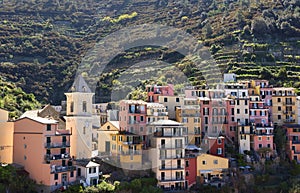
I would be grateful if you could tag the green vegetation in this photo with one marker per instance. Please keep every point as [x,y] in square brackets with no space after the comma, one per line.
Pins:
[11,181]
[43,42]
[15,100]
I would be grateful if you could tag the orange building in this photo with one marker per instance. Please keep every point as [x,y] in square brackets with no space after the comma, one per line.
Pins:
[44,151]
[6,138]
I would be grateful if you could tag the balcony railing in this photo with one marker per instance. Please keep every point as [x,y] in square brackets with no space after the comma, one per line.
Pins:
[136,152]
[190,115]
[56,157]
[58,169]
[296,152]
[132,142]
[289,112]
[288,103]
[171,157]
[133,122]
[171,168]
[57,145]
[296,142]
[169,134]
[169,146]
[171,179]
[289,120]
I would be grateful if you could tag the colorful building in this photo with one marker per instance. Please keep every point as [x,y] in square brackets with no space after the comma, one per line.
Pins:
[263,138]
[190,170]
[154,91]
[6,137]
[167,154]
[104,136]
[284,109]
[209,166]
[171,102]
[126,148]
[189,115]
[44,151]
[293,141]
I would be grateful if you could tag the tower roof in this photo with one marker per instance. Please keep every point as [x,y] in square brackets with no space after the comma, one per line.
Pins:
[80,85]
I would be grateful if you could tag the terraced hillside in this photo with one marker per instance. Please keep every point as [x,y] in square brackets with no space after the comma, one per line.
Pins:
[42,42]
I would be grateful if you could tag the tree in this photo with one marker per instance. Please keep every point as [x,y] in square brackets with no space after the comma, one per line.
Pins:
[259,27]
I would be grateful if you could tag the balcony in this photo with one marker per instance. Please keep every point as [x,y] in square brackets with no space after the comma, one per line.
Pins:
[170,146]
[171,157]
[289,120]
[296,152]
[56,157]
[57,145]
[169,134]
[133,122]
[289,112]
[58,169]
[296,142]
[171,168]
[134,142]
[190,115]
[288,103]
[177,179]
[131,152]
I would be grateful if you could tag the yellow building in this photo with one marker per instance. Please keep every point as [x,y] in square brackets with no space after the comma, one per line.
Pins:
[104,136]
[171,102]
[284,110]
[6,138]
[127,148]
[209,166]
[189,115]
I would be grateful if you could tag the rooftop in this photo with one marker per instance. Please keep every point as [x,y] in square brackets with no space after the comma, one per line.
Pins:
[80,85]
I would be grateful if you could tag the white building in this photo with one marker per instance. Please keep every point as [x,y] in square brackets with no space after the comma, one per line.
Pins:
[88,172]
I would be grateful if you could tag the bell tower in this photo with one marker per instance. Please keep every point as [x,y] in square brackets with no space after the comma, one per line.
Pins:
[79,118]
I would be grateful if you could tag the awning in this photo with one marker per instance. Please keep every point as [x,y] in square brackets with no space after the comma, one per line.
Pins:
[192,147]
[205,171]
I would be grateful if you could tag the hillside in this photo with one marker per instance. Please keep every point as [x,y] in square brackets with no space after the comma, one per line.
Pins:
[42,42]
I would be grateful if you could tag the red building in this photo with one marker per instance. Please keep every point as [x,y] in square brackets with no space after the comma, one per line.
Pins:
[217,146]
[190,170]
[154,91]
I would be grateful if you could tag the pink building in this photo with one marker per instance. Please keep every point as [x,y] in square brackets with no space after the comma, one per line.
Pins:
[154,91]
[263,138]
[293,141]
[44,151]
[133,117]
[231,127]
[259,114]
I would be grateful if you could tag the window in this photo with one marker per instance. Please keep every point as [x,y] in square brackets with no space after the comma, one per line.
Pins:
[114,146]
[237,102]
[279,108]
[25,158]
[259,138]
[72,107]
[219,151]
[219,141]
[187,173]
[203,162]
[55,176]
[90,170]
[84,106]
[246,102]
[260,145]
[25,146]
[268,138]
[279,117]
[141,129]
[206,120]
[269,146]
[94,169]
[113,138]
[232,111]
[165,99]
[142,118]
[72,174]
[279,100]
[83,131]
[177,100]
[120,137]
[246,111]
[48,127]
[187,163]
[232,119]
[215,161]
[238,111]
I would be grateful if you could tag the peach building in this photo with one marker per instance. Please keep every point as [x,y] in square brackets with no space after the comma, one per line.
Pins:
[171,102]
[6,138]
[44,151]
